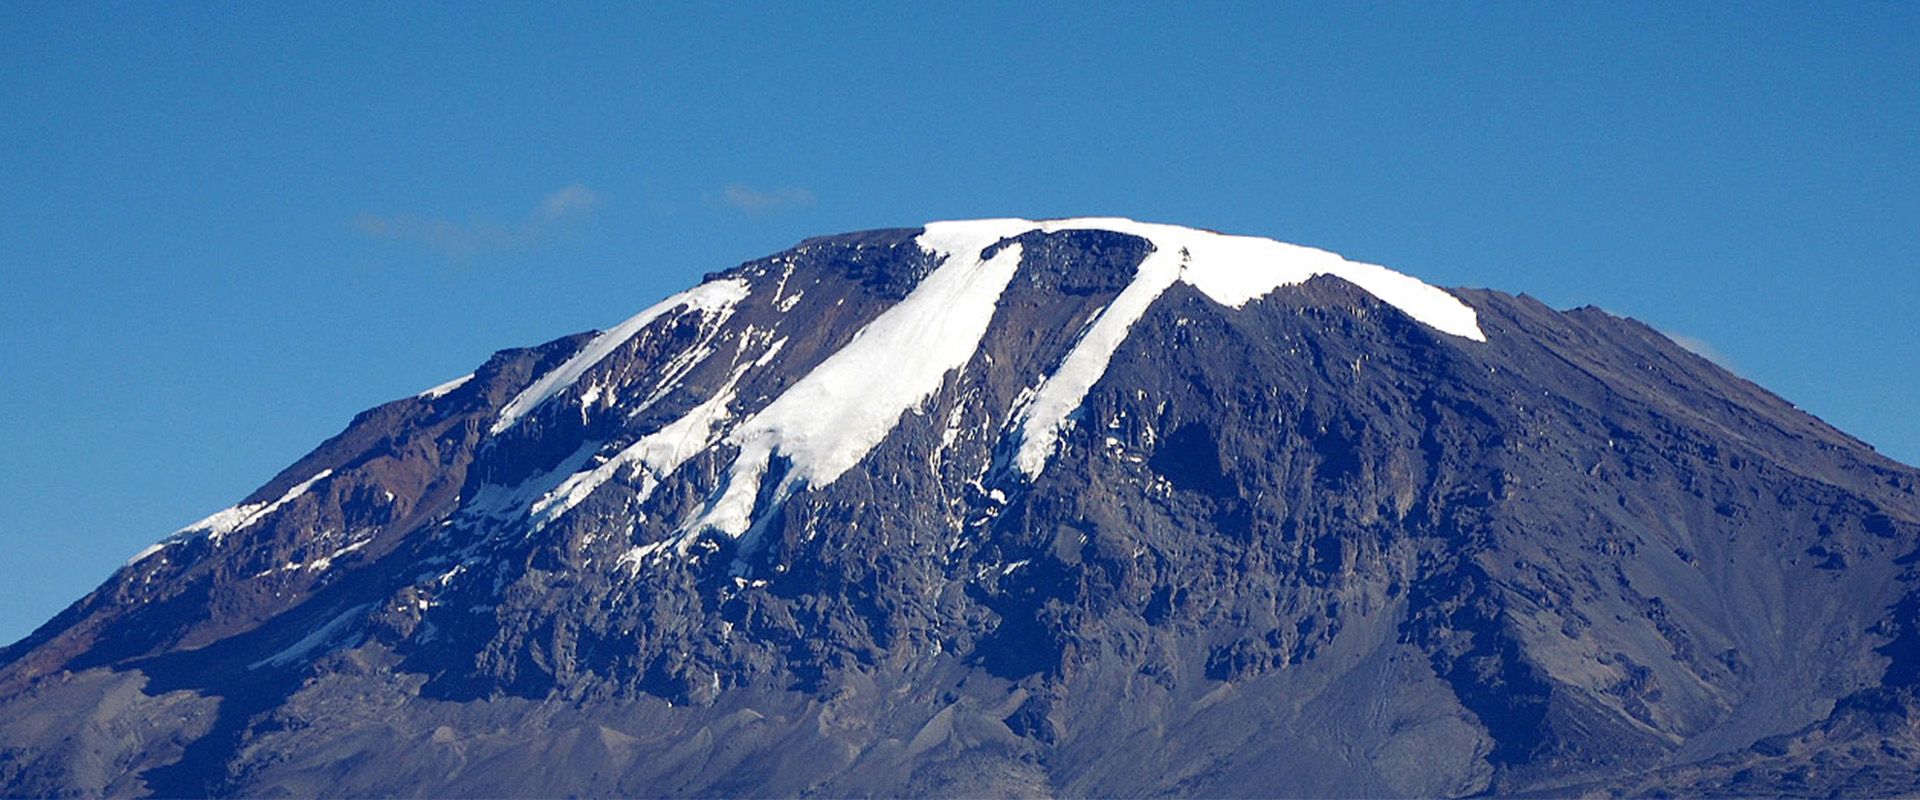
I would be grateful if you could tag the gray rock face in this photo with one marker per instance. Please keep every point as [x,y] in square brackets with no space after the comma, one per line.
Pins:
[1307,546]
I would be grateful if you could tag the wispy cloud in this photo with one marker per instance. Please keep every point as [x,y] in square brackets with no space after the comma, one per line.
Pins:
[762,201]
[1702,348]
[571,201]
[478,237]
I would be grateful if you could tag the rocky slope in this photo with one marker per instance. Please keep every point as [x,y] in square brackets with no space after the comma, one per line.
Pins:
[1083,507]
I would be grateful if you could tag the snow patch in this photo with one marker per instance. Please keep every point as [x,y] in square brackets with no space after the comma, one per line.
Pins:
[951,433]
[1235,269]
[444,389]
[716,296]
[502,502]
[328,635]
[236,518]
[150,550]
[324,562]
[830,419]
[654,456]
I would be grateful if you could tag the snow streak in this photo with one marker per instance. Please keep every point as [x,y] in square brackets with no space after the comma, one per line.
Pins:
[720,295]
[830,419]
[230,520]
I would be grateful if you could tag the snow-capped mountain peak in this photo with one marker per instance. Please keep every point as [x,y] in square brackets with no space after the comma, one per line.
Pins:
[831,417]
[1008,507]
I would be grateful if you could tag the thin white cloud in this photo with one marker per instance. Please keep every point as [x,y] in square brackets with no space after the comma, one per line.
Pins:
[457,240]
[761,201]
[462,240]
[1702,348]
[571,201]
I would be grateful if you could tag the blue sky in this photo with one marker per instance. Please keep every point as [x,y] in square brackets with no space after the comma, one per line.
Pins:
[224,229]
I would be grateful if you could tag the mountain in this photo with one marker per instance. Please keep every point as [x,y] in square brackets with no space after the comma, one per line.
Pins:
[1075,507]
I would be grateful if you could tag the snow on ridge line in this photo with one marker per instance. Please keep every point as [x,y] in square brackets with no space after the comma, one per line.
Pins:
[231,519]
[150,550]
[1235,269]
[719,295]
[828,420]
[445,389]
[1231,270]
[239,517]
